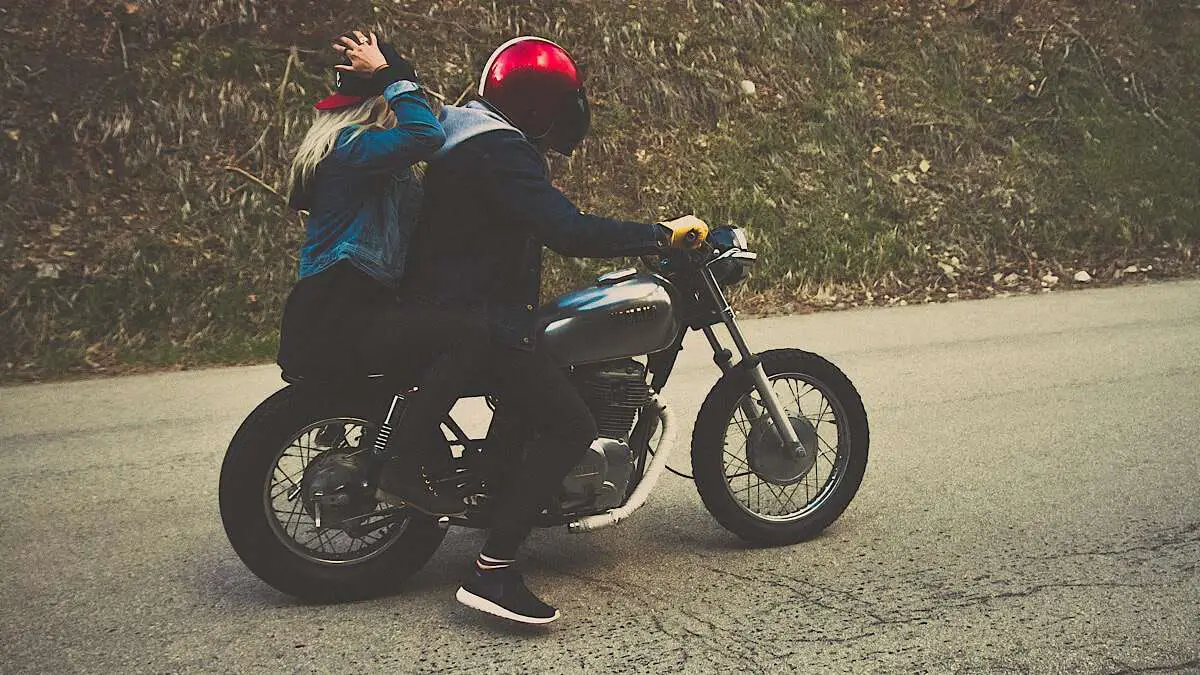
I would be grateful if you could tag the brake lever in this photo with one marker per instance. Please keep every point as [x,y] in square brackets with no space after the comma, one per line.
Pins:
[735,253]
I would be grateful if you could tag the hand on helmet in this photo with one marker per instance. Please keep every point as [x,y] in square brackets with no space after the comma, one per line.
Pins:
[368,57]
[687,233]
[362,51]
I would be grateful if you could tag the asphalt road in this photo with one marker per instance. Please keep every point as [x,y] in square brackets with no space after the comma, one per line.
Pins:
[1032,504]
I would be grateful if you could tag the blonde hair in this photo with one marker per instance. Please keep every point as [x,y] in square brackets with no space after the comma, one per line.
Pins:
[373,113]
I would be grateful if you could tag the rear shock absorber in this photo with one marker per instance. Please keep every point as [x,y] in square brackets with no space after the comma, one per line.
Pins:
[385,429]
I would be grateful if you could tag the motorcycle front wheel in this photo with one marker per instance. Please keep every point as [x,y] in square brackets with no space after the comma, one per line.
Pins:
[267,487]
[748,480]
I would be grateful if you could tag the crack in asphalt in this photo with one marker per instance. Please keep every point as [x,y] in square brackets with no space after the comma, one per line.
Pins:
[922,614]
[1038,588]
[777,584]
[1174,667]
[1180,539]
[771,580]
[973,601]
[631,591]
[799,591]
[736,636]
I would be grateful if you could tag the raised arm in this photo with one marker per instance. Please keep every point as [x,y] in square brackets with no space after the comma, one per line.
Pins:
[417,134]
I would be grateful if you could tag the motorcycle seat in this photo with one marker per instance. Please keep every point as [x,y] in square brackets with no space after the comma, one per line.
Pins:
[477,387]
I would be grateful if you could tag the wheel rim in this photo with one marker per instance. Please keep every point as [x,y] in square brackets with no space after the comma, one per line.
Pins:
[804,400]
[291,522]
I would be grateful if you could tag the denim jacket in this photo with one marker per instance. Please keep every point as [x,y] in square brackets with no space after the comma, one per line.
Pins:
[362,199]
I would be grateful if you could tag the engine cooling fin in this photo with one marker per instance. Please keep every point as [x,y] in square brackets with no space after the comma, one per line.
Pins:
[614,391]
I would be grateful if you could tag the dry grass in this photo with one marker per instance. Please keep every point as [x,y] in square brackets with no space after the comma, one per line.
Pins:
[891,149]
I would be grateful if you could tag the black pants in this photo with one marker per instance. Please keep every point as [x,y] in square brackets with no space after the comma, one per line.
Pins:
[342,323]
[436,350]
[538,394]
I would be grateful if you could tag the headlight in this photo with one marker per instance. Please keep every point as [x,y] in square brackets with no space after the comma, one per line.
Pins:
[731,271]
[740,239]
[726,237]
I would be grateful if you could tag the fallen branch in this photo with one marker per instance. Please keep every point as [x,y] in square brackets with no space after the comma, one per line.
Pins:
[463,95]
[437,19]
[124,53]
[293,56]
[1095,55]
[279,48]
[1140,91]
[254,179]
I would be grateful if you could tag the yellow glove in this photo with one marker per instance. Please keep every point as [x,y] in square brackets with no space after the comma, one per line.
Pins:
[687,232]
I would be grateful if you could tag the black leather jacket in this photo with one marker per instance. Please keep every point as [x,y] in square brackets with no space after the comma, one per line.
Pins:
[489,209]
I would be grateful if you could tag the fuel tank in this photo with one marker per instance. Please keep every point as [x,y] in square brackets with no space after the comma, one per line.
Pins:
[625,314]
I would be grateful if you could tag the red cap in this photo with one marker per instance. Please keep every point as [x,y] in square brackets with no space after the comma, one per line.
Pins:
[335,101]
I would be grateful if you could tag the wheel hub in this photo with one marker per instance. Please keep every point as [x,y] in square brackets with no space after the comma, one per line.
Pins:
[772,460]
[336,488]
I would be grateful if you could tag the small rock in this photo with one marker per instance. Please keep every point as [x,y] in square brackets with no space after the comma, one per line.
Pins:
[748,88]
[1082,276]
[48,271]
[1049,280]
[1012,278]
[1132,269]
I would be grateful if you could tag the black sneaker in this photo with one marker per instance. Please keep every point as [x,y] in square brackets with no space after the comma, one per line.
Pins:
[401,484]
[503,593]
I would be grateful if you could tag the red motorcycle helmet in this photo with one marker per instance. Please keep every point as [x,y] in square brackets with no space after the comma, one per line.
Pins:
[537,86]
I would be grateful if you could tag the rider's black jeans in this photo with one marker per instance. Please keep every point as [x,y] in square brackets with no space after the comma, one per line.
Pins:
[535,391]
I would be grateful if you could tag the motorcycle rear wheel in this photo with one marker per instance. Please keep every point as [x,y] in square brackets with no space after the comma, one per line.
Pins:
[803,497]
[248,499]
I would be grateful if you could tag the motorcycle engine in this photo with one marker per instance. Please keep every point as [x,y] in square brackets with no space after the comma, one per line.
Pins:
[614,392]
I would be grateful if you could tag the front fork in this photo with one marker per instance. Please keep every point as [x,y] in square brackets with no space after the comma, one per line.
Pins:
[724,359]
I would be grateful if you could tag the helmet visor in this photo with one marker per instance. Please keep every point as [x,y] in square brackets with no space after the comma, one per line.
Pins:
[572,123]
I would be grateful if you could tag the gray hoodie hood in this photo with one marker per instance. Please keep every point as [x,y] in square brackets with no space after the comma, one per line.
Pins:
[462,123]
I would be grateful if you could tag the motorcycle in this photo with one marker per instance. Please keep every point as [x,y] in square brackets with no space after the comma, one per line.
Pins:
[778,449]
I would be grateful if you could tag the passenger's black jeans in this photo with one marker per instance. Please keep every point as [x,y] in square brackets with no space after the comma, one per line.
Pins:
[342,323]
[535,391]
[438,351]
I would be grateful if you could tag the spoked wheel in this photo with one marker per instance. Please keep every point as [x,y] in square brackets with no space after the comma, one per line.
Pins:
[750,481]
[295,507]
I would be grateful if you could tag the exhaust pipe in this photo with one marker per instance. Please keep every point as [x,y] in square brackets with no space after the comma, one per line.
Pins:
[653,472]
